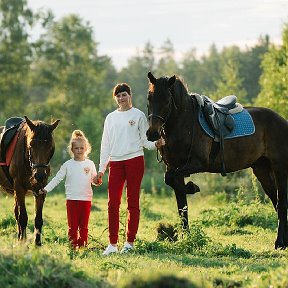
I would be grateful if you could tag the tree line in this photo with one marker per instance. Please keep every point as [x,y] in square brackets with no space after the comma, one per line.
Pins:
[60,74]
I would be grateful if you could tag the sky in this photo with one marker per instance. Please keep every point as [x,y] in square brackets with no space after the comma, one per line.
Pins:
[123,27]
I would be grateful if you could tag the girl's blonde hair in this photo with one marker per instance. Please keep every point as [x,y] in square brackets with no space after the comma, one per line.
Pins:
[78,135]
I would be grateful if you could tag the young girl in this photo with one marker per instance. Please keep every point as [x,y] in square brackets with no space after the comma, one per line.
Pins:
[80,173]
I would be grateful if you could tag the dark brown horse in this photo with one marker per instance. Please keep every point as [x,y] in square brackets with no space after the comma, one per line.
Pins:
[173,113]
[28,171]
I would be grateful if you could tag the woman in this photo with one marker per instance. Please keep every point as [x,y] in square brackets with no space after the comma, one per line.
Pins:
[123,139]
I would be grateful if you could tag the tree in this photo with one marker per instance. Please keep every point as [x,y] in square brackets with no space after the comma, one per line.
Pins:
[15,55]
[274,80]
[190,70]
[250,68]
[68,65]
[230,81]
[68,77]
[135,74]
[167,64]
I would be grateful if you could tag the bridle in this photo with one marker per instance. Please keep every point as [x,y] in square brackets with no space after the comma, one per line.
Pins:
[37,165]
[162,133]
[166,117]
[33,165]
[164,120]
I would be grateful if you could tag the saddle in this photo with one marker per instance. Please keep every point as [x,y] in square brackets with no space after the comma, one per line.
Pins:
[11,127]
[8,141]
[218,115]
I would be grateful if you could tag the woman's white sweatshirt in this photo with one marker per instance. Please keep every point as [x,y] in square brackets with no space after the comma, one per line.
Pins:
[124,136]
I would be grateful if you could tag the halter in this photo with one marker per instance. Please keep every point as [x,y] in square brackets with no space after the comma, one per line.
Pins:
[37,165]
[165,118]
[164,121]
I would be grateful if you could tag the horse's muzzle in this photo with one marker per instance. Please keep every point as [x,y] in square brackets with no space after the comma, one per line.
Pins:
[40,176]
[152,135]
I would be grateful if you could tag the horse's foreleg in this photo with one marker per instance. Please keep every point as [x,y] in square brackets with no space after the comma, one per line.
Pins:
[16,213]
[39,202]
[20,214]
[178,184]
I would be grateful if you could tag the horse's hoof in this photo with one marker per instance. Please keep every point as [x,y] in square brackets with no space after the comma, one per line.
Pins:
[280,245]
[192,188]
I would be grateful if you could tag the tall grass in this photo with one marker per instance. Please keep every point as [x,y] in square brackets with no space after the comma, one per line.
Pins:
[229,244]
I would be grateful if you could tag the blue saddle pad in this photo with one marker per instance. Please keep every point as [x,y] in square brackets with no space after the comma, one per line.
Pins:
[244,125]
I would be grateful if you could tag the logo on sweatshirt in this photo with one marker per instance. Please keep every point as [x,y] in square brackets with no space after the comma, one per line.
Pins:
[132,122]
[86,170]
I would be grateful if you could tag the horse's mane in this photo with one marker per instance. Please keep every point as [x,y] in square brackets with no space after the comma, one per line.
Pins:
[179,90]
[180,93]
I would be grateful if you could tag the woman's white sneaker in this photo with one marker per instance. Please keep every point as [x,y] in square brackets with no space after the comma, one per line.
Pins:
[127,248]
[110,249]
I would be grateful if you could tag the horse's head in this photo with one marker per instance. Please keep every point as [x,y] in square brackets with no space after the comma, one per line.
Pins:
[40,149]
[160,103]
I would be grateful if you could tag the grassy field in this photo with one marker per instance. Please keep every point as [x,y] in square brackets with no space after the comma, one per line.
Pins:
[230,244]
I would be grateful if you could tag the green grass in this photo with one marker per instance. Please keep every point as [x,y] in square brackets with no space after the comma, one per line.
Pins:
[228,245]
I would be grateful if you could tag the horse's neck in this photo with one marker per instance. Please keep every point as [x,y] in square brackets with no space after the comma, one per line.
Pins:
[21,147]
[180,96]
[183,111]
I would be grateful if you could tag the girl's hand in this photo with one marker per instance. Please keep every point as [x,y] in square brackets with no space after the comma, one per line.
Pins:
[42,191]
[98,179]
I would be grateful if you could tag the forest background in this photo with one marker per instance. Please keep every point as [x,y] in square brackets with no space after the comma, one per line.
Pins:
[60,75]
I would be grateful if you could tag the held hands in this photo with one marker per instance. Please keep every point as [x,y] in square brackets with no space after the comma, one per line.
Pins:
[160,142]
[98,179]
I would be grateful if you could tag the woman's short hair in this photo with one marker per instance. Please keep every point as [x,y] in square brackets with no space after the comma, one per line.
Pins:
[121,87]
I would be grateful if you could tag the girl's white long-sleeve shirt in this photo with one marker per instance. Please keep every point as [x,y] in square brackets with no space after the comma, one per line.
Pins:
[79,177]
[124,136]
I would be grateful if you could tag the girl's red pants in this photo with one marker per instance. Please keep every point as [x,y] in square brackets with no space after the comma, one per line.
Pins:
[78,213]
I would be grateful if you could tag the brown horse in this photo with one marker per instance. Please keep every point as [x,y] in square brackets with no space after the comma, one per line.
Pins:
[174,113]
[28,171]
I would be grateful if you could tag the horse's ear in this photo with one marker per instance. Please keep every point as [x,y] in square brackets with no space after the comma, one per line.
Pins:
[54,125]
[151,78]
[29,123]
[171,81]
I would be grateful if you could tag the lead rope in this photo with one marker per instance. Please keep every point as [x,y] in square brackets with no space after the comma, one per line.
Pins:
[160,151]
[162,131]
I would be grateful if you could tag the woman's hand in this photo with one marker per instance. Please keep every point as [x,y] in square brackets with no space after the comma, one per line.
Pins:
[160,142]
